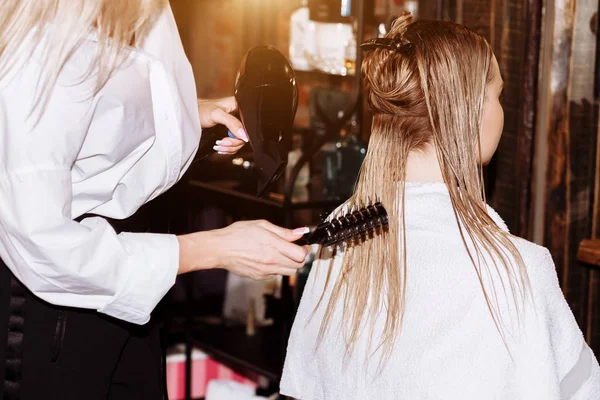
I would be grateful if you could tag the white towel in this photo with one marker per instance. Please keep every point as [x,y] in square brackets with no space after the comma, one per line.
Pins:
[230,390]
[448,347]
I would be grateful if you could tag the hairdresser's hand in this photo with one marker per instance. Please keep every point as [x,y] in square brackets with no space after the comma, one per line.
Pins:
[213,112]
[256,249]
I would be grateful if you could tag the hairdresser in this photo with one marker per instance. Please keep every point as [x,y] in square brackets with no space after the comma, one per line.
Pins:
[98,116]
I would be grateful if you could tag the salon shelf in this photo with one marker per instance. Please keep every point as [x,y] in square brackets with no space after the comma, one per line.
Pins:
[224,190]
[261,354]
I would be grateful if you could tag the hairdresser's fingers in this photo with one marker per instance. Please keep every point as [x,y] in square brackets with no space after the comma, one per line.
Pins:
[229,142]
[289,250]
[214,112]
[284,233]
[227,149]
[229,104]
[251,250]
[280,260]
[234,125]
[287,271]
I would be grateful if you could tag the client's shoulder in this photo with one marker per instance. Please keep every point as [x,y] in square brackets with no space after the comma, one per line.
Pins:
[531,251]
[537,259]
[539,264]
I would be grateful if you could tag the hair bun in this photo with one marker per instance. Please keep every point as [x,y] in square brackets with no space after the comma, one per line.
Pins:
[400,24]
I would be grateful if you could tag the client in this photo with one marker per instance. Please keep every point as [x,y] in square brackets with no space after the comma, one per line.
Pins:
[447,304]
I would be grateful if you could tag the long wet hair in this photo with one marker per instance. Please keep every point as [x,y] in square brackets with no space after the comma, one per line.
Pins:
[59,26]
[432,95]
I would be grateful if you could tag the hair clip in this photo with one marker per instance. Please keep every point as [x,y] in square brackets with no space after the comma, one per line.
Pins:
[393,44]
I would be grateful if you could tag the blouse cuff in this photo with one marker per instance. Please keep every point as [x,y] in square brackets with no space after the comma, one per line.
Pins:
[150,273]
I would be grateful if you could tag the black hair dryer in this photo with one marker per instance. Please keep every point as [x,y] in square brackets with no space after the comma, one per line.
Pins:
[267,95]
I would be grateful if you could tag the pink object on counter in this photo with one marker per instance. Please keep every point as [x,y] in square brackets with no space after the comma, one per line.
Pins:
[204,369]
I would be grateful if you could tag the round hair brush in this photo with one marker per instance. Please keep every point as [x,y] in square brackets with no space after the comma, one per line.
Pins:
[357,225]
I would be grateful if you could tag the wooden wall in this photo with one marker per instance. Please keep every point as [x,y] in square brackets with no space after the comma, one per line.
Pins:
[209,31]
[566,165]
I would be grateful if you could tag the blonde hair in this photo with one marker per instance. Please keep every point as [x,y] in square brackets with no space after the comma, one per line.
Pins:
[432,95]
[59,26]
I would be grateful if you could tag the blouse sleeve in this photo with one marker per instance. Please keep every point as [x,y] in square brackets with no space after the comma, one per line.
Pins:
[85,265]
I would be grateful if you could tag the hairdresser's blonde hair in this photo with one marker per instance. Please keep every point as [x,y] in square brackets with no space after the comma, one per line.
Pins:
[431,95]
[63,24]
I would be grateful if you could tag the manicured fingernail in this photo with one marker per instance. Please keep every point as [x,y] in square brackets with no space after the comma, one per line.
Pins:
[222,152]
[300,231]
[220,142]
[241,133]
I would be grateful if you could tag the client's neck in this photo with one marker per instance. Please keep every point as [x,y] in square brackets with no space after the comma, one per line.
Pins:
[423,166]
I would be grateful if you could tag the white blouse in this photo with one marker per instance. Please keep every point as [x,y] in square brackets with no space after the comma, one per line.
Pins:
[106,154]
[448,346]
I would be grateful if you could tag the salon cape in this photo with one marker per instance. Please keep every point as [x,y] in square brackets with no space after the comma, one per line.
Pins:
[448,347]
[105,154]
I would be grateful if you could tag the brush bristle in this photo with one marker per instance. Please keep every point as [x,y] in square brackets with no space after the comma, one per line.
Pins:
[357,225]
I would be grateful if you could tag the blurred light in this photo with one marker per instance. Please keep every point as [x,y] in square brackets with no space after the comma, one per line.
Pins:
[346,9]
[382,30]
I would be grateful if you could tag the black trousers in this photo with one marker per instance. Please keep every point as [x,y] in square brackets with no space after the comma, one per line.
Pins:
[58,353]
